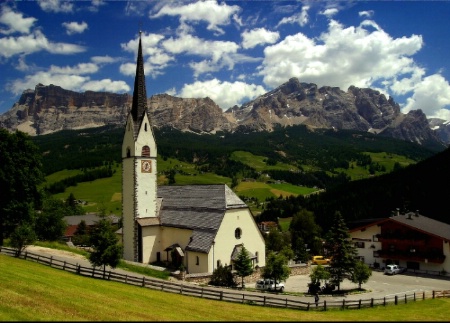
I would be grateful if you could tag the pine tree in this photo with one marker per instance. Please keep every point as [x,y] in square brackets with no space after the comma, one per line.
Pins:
[341,250]
[243,264]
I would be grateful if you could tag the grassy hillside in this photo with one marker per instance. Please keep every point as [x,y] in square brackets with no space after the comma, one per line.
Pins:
[34,292]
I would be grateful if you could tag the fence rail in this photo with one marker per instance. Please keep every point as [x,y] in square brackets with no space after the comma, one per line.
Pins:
[221,294]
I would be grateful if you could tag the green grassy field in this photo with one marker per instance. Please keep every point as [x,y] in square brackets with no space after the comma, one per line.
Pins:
[106,193]
[35,292]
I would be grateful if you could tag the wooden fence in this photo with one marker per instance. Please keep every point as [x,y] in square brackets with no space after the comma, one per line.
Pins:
[237,296]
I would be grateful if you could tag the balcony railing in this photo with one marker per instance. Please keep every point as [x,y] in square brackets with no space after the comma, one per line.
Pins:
[412,256]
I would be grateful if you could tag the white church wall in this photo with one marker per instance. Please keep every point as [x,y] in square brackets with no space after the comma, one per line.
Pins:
[128,209]
[151,244]
[196,262]
[226,240]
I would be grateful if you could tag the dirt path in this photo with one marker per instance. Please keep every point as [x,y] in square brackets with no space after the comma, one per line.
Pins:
[55,252]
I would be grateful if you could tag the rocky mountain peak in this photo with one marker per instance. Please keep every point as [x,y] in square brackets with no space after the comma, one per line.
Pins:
[51,108]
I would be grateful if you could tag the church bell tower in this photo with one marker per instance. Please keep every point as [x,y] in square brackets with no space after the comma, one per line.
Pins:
[139,171]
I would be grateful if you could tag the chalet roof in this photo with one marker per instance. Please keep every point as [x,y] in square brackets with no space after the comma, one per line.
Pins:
[424,224]
[415,221]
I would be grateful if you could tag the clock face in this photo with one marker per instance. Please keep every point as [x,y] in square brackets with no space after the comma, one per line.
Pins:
[146,166]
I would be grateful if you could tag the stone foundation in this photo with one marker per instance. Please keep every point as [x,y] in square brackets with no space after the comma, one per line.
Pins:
[205,278]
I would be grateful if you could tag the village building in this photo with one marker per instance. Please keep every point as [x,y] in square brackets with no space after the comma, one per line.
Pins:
[409,240]
[195,227]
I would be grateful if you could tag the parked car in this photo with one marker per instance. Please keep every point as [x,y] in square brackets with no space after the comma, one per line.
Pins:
[270,285]
[394,270]
[320,260]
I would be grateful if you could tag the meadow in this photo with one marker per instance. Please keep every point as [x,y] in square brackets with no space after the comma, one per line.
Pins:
[34,292]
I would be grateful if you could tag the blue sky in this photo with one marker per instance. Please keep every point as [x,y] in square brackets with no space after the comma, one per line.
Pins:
[230,51]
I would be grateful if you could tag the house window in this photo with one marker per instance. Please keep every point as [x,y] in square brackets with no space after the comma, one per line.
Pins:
[237,233]
[375,238]
[197,262]
[360,244]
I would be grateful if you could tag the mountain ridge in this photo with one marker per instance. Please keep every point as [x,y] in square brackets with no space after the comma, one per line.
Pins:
[47,109]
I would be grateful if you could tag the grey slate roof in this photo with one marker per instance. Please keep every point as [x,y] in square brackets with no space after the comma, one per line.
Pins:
[200,208]
[89,218]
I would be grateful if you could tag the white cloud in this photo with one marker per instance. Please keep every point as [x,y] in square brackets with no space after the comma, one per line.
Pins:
[341,57]
[104,59]
[209,11]
[82,68]
[225,94]
[259,36]
[330,12]
[300,18]
[10,46]
[432,96]
[106,85]
[15,21]
[75,27]
[366,14]
[55,6]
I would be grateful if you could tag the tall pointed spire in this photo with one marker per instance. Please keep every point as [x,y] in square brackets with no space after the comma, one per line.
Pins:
[139,105]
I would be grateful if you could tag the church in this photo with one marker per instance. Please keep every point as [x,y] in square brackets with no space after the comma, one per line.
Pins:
[195,227]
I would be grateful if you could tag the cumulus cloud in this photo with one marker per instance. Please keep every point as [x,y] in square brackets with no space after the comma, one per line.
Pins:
[225,94]
[259,36]
[15,21]
[211,12]
[55,6]
[35,42]
[106,85]
[341,57]
[431,95]
[75,27]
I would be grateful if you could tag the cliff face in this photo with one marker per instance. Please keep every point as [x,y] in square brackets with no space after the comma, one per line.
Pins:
[51,108]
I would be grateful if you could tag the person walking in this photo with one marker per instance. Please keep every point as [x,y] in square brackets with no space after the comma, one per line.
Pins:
[316,299]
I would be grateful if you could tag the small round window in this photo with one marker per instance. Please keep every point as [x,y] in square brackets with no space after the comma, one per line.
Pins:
[237,233]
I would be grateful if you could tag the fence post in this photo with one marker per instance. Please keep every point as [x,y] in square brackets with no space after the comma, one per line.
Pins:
[109,275]
[371,302]
[221,294]
[181,289]
[64,265]
[286,302]
[93,271]
[51,260]
[201,295]
[79,270]
[243,296]
[433,294]
[143,281]
[406,300]
[396,299]
[414,296]
[126,278]
[423,295]
[324,305]
[26,254]
[384,301]
[265,300]
[307,308]
[359,306]
[343,304]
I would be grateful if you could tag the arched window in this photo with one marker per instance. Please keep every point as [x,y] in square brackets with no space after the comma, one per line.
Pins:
[128,152]
[145,127]
[145,151]
[197,261]
[237,233]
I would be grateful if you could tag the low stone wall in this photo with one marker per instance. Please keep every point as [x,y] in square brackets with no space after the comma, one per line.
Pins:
[205,278]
